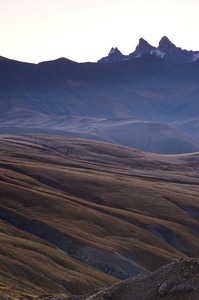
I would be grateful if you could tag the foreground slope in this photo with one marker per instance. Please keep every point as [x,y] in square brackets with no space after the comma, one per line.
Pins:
[78,214]
[177,280]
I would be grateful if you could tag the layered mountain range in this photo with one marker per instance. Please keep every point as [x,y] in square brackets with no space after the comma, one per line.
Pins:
[166,50]
[79,210]
[148,103]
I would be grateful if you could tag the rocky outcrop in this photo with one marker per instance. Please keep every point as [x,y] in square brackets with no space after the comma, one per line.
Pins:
[177,280]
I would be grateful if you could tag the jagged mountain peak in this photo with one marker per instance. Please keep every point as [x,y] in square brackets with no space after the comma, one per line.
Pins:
[143,42]
[114,50]
[164,39]
[144,46]
[165,43]
[115,55]
[165,50]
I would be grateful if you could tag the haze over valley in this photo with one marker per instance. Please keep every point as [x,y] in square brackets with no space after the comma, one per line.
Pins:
[148,102]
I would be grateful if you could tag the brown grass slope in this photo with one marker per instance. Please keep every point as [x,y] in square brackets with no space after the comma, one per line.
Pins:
[77,214]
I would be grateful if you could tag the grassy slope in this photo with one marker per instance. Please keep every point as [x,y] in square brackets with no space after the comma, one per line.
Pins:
[73,210]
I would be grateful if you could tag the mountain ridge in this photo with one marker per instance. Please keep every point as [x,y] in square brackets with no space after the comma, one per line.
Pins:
[44,97]
[165,50]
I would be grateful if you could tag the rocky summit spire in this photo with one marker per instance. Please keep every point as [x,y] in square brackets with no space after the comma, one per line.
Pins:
[115,51]
[144,46]
[164,39]
[114,56]
[165,44]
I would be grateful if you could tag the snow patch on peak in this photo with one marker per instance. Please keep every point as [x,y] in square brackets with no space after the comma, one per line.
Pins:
[166,50]
[113,50]
[157,52]
[195,57]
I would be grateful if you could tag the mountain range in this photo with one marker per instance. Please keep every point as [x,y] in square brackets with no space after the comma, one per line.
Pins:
[165,50]
[82,210]
[148,103]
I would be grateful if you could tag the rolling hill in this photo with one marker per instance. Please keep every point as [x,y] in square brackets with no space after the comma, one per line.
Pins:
[77,214]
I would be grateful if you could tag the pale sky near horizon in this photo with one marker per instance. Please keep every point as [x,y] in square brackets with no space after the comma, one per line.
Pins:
[85,30]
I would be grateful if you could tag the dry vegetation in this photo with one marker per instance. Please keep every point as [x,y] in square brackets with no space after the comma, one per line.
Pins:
[77,214]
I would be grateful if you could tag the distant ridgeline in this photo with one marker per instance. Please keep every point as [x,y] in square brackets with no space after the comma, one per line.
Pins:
[166,50]
[146,100]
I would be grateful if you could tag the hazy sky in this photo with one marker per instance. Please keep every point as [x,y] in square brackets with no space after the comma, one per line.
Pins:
[85,30]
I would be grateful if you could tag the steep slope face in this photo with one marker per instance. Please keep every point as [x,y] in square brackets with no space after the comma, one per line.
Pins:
[142,48]
[77,214]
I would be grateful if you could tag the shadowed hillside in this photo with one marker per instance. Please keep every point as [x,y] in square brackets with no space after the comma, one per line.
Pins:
[77,214]
[147,97]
